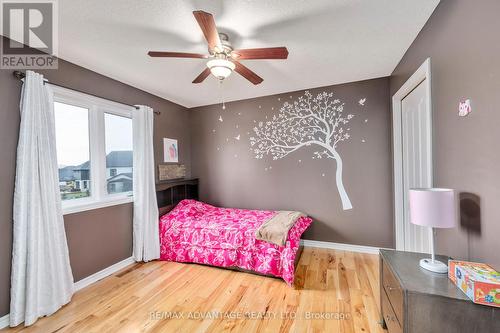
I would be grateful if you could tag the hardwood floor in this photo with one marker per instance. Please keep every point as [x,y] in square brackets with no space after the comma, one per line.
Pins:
[336,291]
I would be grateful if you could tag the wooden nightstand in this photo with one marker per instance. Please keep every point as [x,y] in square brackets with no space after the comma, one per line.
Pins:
[414,300]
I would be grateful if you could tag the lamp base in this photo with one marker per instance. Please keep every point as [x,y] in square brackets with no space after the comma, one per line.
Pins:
[434,266]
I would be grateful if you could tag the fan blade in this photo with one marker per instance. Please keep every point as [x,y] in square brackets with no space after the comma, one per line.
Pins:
[247,73]
[200,78]
[261,53]
[207,25]
[177,55]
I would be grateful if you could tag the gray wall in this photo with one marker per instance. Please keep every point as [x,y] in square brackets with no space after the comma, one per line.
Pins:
[99,238]
[462,39]
[232,177]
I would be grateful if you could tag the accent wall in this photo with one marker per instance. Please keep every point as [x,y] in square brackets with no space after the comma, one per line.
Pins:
[325,151]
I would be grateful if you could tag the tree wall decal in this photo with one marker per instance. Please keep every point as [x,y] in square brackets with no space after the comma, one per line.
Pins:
[309,121]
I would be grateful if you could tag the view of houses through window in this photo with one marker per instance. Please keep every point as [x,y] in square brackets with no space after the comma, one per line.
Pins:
[74,152]
[118,131]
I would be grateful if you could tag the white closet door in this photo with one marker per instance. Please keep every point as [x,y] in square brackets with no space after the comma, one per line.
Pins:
[416,158]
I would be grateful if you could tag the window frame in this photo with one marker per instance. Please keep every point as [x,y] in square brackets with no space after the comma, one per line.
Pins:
[97,107]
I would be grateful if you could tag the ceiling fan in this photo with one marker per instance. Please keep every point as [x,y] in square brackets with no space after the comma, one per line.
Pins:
[223,58]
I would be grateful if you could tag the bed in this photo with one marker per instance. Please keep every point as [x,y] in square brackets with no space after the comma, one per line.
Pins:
[195,232]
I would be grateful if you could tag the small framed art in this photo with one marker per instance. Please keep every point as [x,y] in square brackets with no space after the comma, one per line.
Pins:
[170,151]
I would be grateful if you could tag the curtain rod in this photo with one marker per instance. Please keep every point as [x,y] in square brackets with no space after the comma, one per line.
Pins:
[20,75]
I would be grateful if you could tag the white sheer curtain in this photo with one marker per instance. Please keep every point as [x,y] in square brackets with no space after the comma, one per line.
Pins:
[41,279]
[146,237]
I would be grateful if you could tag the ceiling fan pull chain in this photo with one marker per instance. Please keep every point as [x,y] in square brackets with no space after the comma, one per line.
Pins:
[222,94]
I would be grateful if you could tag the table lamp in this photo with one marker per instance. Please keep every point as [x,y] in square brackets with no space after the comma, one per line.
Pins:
[433,208]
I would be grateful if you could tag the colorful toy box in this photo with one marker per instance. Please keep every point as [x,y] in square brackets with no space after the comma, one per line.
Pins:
[479,282]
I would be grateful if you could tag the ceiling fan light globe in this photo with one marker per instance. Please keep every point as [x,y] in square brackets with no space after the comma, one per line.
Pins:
[220,72]
[220,68]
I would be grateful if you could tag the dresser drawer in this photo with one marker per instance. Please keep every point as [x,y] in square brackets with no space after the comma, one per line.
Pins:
[390,319]
[393,291]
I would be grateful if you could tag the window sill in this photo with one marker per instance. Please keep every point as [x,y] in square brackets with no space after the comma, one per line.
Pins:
[81,207]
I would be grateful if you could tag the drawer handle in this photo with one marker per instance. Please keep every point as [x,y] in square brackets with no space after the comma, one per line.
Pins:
[390,288]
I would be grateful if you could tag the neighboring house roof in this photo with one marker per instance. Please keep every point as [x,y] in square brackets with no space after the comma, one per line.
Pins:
[115,159]
[127,176]
[84,166]
[66,174]
[122,158]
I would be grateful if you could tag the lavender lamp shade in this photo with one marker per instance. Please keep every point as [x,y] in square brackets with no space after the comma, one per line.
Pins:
[433,207]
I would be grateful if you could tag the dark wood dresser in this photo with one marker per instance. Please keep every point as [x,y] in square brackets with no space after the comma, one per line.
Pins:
[414,300]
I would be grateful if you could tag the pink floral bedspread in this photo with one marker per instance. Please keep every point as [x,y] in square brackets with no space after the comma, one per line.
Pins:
[199,233]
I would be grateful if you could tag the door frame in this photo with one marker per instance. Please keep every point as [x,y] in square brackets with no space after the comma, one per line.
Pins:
[422,73]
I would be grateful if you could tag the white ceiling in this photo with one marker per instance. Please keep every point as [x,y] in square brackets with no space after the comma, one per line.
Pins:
[330,42]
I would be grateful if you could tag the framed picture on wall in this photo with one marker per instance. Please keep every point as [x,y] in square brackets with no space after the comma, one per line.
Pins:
[170,151]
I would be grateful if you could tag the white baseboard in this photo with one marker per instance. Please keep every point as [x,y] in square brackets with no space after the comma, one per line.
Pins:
[104,273]
[340,246]
[4,321]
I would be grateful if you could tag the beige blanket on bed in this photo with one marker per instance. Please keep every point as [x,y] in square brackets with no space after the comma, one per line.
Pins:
[275,230]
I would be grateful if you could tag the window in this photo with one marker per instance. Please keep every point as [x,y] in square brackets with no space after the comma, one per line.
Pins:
[73,154]
[94,150]
[119,156]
